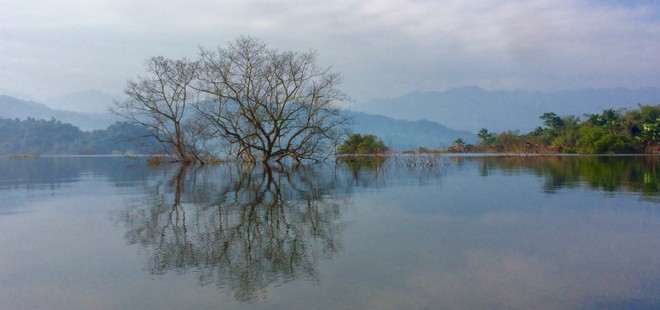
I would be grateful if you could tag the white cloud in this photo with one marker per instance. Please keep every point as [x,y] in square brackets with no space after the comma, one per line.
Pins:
[383,48]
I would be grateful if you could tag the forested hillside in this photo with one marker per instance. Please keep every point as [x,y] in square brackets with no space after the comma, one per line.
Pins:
[13,108]
[33,136]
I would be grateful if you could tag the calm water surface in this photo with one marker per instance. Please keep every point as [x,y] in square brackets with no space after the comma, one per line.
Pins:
[445,233]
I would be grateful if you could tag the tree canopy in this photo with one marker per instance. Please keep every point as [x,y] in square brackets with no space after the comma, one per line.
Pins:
[358,144]
[612,131]
[258,102]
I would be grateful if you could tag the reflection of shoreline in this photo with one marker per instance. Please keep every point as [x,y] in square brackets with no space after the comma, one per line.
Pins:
[634,173]
[242,230]
[53,171]
[639,174]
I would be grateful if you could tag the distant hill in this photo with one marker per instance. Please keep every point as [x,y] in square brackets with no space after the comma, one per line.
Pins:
[473,108]
[402,135]
[15,108]
[397,134]
[91,101]
[38,136]
[15,94]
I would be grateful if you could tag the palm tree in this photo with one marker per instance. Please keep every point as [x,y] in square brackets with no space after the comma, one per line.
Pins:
[484,135]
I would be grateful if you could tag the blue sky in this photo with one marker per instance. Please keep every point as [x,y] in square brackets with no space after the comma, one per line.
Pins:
[382,47]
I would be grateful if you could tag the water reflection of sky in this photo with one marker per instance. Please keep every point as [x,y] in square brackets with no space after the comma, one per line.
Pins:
[472,248]
[470,233]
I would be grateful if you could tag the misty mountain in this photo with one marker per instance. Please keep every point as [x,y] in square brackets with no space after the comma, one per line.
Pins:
[473,108]
[15,94]
[21,109]
[52,137]
[91,101]
[402,134]
[397,134]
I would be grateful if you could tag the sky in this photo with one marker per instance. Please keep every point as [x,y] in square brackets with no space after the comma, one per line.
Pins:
[383,48]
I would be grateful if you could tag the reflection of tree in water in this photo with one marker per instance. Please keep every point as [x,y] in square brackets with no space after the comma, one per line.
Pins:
[609,173]
[241,229]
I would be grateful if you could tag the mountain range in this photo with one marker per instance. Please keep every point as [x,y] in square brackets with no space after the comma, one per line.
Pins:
[431,119]
[11,107]
[472,108]
[404,134]
[397,134]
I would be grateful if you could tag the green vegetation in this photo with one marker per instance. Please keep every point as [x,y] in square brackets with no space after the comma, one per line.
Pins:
[610,132]
[357,144]
[459,146]
[33,136]
[636,174]
[363,149]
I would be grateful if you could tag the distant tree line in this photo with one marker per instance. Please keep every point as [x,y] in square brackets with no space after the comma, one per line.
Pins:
[612,131]
[38,136]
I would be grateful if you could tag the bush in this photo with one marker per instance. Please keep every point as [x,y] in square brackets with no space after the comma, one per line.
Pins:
[357,144]
[598,140]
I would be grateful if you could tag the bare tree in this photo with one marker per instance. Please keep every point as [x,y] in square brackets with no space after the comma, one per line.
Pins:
[269,103]
[160,101]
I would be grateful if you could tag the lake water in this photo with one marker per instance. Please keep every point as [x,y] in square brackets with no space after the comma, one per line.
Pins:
[469,232]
